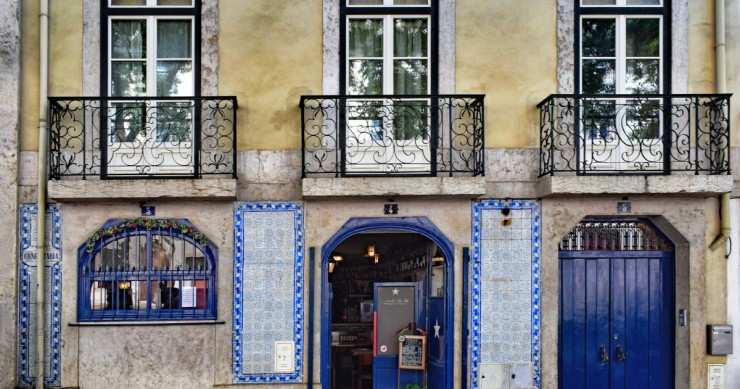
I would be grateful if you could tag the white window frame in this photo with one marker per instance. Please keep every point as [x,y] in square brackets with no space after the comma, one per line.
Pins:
[151,4]
[623,3]
[386,3]
[620,58]
[612,146]
[151,51]
[388,43]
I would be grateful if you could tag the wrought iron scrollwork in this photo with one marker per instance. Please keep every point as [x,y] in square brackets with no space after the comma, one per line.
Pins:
[614,236]
[392,135]
[631,134]
[134,137]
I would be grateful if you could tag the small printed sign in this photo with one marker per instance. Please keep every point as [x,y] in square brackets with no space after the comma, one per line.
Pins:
[148,210]
[624,207]
[284,357]
[413,352]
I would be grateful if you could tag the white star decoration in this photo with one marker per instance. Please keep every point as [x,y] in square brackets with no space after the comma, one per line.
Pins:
[395,291]
[436,328]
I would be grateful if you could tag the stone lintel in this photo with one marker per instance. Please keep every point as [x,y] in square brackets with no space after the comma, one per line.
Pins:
[469,187]
[93,190]
[685,185]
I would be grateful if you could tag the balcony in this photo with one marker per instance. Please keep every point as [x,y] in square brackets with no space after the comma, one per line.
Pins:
[628,134]
[392,136]
[131,138]
[683,140]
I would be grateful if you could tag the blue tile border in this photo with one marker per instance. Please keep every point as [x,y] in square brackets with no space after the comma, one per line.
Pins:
[247,360]
[27,266]
[476,284]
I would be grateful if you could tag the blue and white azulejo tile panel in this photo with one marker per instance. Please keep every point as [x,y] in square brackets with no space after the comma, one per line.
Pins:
[505,285]
[27,268]
[268,292]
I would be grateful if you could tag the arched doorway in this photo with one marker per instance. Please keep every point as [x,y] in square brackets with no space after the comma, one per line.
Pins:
[412,255]
[617,304]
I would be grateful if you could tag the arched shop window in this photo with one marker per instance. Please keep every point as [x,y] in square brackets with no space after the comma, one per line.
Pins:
[147,269]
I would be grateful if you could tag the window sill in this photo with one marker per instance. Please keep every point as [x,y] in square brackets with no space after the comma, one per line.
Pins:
[96,190]
[147,323]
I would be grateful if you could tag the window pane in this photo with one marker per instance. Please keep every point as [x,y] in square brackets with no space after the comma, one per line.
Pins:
[173,39]
[128,39]
[643,120]
[366,38]
[410,77]
[127,2]
[410,38]
[129,121]
[410,2]
[174,121]
[174,78]
[366,77]
[642,76]
[598,38]
[643,2]
[599,119]
[643,37]
[365,2]
[598,77]
[410,120]
[175,2]
[128,78]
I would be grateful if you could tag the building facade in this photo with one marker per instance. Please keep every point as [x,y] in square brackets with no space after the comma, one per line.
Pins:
[285,194]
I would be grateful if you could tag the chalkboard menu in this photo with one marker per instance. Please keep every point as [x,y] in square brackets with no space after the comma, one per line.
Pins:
[395,309]
[413,352]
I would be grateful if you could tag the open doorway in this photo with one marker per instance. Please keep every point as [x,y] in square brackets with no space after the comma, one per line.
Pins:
[363,341]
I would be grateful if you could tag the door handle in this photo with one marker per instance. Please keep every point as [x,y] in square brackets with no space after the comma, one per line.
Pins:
[603,355]
[621,356]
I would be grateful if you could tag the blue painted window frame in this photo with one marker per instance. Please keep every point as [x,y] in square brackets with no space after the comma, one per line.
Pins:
[148,229]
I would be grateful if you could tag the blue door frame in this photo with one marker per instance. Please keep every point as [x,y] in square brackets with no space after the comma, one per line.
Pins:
[419,225]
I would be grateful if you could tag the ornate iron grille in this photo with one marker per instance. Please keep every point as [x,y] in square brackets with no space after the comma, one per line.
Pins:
[392,135]
[628,134]
[133,137]
[614,236]
[147,269]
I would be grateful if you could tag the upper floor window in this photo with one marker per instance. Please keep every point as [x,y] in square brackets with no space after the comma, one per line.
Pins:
[150,70]
[622,49]
[389,52]
[147,269]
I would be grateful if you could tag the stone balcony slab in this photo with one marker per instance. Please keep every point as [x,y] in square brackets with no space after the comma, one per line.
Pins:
[111,190]
[685,185]
[468,187]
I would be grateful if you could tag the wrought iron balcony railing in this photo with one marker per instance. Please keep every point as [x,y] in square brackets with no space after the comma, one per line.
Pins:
[124,137]
[631,134]
[392,135]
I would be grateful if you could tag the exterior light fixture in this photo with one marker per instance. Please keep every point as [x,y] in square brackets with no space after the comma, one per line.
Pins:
[332,264]
[124,285]
[438,257]
[370,252]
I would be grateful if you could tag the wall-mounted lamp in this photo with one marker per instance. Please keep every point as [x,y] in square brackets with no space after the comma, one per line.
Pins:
[438,257]
[337,257]
[376,258]
[506,213]
[332,264]
[124,285]
[370,252]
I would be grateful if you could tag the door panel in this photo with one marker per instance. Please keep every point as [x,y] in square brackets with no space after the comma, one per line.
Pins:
[616,320]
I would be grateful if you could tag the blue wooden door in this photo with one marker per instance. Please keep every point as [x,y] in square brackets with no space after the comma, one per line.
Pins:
[396,304]
[616,319]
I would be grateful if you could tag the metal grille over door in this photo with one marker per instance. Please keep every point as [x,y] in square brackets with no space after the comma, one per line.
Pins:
[614,236]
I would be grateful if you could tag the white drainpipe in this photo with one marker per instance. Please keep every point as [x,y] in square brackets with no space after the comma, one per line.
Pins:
[721,82]
[41,190]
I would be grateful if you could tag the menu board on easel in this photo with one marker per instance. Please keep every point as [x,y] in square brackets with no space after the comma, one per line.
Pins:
[412,352]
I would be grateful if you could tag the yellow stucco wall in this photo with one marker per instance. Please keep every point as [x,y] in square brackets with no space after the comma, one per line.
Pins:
[65,60]
[701,47]
[506,49]
[269,55]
